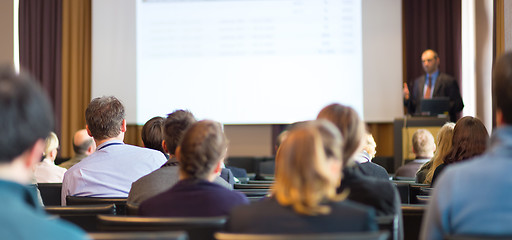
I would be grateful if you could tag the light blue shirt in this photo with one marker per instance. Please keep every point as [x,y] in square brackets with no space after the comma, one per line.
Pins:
[110,171]
[474,197]
[434,78]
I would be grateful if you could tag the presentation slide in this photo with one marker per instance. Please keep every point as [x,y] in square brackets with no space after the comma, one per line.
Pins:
[247,61]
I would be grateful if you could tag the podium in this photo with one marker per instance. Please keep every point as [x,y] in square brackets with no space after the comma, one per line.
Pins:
[404,128]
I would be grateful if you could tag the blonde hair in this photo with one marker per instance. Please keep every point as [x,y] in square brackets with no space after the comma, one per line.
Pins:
[301,179]
[51,143]
[444,144]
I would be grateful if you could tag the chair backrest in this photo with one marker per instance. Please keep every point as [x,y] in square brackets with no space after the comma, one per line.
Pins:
[50,193]
[200,228]
[252,186]
[389,223]
[119,202]
[477,237]
[175,235]
[254,192]
[311,236]
[132,209]
[83,216]
[412,218]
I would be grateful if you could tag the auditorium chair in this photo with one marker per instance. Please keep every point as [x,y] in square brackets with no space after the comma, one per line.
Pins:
[251,186]
[132,209]
[83,216]
[390,224]
[311,236]
[50,193]
[477,237]
[175,235]
[254,192]
[412,217]
[119,202]
[197,228]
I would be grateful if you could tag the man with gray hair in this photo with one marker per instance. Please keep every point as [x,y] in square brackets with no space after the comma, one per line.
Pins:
[110,171]
[423,146]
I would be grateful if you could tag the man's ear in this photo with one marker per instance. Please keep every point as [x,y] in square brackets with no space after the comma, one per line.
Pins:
[88,131]
[218,168]
[499,117]
[177,153]
[164,147]
[34,154]
[123,126]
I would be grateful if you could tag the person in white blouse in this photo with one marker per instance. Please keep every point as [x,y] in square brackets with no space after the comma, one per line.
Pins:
[46,171]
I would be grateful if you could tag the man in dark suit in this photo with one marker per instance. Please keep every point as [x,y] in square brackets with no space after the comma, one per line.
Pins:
[433,84]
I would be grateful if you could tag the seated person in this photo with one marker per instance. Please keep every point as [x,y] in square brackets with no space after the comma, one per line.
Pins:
[423,146]
[26,119]
[201,152]
[166,176]
[444,144]
[111,169]
[83,146]
[378,193]
[304,198]
[46,171]
[469,140]
[152,134]
[364,159]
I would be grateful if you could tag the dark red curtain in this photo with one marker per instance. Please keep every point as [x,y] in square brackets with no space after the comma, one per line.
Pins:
[432,24]
[40,28]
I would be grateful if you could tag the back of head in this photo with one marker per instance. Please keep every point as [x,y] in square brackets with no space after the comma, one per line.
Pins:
[175,126]
[423,143]
[203,146]
[350,125]
[152,134]
[82,141]
[502,86]
[51,143]
[469,139]
[104,117]
[25,114]
[303,179]
[444,145]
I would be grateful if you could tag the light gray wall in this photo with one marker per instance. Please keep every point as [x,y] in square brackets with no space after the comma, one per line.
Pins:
[6,28]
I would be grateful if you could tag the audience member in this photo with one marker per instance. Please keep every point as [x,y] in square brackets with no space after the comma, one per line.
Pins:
[46,171]
[423,147]
[26,119]
[200,154]
[377,193]
[469,140]
[111,169]
[168,175]
[473,197]
[152,134]
[304,198]
[364,159]
[83,146]
[444,144]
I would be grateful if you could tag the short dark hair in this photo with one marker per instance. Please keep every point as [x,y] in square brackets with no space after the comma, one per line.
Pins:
[469,140]
[104,117]
[25,113]
[152,134]
[203,146]
[82,148]
[174,128]
[502,86]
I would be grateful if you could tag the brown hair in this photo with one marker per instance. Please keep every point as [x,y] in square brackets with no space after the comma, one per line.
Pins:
[174,128]
[104,117]
[444,145]
[502,86]
[349,124]
[301,180]
[204,145]
[469,139]
[152,134]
